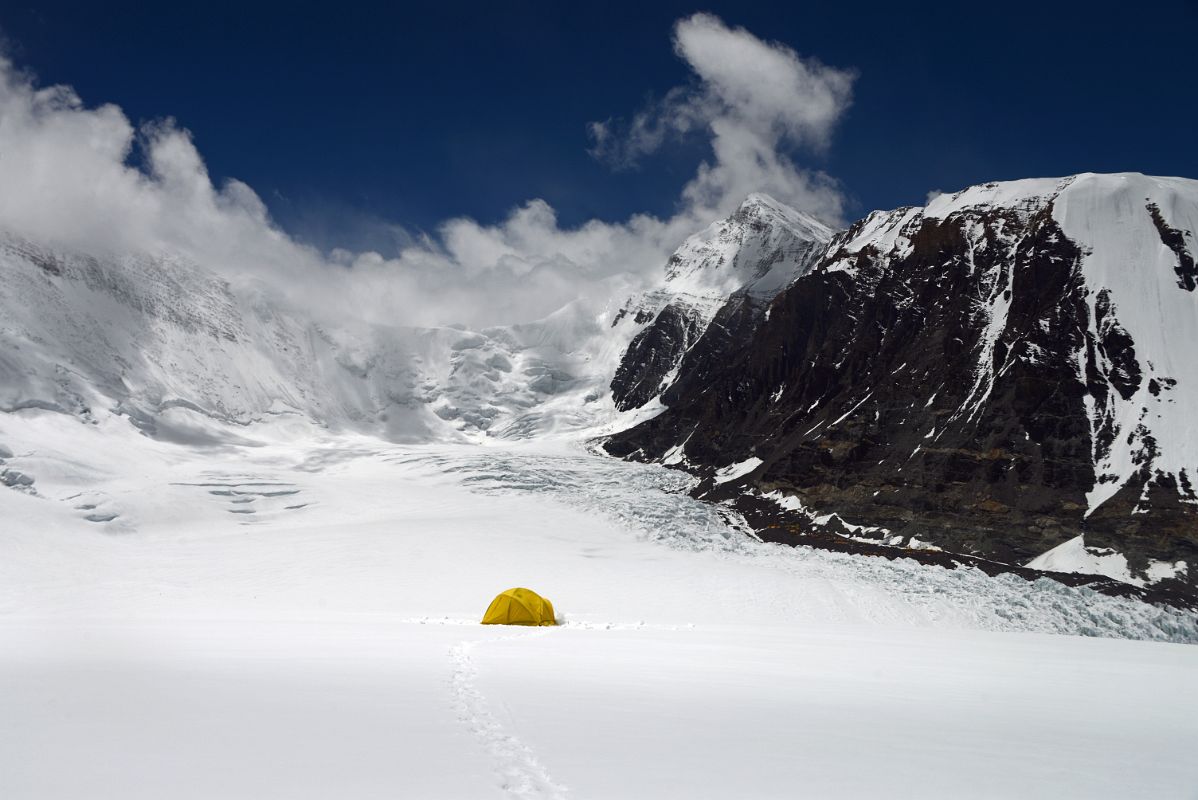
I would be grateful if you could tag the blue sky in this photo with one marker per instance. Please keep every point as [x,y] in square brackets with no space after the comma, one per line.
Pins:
[413,113]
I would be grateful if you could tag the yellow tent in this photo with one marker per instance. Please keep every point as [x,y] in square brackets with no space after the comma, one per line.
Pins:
[519,607]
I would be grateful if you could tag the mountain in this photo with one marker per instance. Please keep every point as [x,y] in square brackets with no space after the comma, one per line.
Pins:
[1003,375]
[1007,374]
[186,355]
[748,258]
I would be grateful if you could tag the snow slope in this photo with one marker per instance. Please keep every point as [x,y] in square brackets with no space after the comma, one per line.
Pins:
[760,249]
[147,334]
[292,612]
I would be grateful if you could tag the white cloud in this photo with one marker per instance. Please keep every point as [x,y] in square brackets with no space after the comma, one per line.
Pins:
[66,176]
[86,178]
[755,99]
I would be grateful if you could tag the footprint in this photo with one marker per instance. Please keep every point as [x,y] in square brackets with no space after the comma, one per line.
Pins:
[100,517]
[15,479]
[521,774]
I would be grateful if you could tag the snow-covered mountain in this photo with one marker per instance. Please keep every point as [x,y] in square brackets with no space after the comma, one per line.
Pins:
[748,258]
[1002,374]
[1006,373]
[177,349]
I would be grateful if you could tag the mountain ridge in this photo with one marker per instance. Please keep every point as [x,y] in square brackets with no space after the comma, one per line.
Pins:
[1028,392]
[1016,369]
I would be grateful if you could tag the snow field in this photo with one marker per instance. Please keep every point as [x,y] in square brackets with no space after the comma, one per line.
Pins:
[326,644]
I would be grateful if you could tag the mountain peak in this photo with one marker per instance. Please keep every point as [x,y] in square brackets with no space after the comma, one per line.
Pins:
[762,236]
[756,200]
[762,207]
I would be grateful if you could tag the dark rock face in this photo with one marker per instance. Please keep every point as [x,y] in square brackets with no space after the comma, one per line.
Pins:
[926,394]
[1149,518]
[652,355]
[1175,240]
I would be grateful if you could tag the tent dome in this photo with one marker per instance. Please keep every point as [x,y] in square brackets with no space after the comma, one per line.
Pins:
[519,607]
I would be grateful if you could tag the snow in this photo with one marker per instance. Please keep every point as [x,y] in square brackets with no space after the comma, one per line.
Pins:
[326,643]
[882,230]
[995,308]
[1074,556]
[762,248]
[738,470]
[863,714]
[1006,194]
[850,412]
[758,251]
[1109,216]
[151,334]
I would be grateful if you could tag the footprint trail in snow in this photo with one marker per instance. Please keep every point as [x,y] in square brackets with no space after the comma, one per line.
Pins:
[520,771]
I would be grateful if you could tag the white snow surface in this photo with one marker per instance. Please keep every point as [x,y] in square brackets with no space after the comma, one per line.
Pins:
[150,334]
[1074,556]
[1108,215]
[287,611]
[740,469]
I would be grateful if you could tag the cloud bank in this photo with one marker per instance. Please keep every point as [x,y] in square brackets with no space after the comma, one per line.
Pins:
[87,178]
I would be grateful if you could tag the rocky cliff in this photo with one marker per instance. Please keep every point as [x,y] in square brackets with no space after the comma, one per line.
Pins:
[1006,374]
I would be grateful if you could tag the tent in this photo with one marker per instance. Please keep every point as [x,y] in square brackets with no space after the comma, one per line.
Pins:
[519,607]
